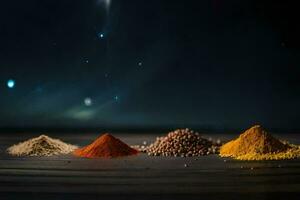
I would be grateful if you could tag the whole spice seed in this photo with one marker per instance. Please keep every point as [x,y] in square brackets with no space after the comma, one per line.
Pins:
[257,144]
[106,146]
[41,146]
[181,143]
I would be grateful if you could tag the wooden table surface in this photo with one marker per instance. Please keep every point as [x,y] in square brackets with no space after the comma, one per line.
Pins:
[143,177]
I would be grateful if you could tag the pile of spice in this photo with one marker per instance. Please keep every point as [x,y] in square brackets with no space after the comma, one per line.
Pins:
[182,143]
[106,146]
[41,146]
[256,144]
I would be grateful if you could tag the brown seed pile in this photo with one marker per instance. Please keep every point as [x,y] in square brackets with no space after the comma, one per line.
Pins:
[182,143]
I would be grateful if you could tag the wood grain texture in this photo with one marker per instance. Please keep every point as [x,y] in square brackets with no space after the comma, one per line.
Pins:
[143,177]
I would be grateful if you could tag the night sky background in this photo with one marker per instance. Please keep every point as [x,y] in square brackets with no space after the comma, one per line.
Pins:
[215,64]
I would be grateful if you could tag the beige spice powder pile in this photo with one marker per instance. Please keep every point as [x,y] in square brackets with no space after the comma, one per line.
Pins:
[41,146]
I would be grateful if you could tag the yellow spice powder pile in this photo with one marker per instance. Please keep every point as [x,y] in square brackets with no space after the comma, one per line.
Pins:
[256,144]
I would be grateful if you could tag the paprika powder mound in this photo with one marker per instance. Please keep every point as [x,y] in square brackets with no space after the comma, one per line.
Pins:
[106,146]
[256,144]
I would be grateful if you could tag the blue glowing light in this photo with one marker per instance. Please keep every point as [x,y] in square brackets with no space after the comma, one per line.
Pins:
[11,83]
[88,101]
[116,98]
[101,35]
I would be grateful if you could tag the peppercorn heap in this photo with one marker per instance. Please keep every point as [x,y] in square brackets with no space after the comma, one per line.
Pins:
[183,143]
[41,146]
[256,144]
[106,146]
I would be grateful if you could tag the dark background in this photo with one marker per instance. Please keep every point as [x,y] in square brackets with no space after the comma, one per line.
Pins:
[210,64]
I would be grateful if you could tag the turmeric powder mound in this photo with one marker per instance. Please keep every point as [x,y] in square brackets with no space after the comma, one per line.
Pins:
[105,146]
[256,144]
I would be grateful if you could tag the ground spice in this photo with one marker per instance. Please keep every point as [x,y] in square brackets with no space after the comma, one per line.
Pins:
[106,146]
[41,146]
[182,143]
[256,144]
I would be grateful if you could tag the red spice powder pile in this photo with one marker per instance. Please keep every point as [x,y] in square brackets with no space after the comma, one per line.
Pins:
[106,146]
